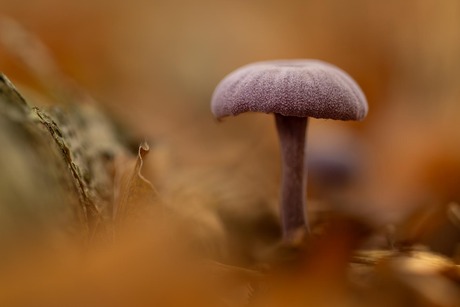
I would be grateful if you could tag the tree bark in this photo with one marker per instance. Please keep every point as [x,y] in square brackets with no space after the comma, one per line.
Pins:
[56,166]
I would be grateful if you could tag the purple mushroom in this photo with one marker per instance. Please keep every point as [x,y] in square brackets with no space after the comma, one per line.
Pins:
[293,90]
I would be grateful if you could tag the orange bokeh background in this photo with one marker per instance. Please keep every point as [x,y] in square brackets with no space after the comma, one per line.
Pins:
[154,64]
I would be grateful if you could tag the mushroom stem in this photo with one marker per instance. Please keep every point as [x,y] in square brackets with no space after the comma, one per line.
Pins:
[291,132]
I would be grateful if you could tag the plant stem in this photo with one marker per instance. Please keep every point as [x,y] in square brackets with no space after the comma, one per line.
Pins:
[291,132]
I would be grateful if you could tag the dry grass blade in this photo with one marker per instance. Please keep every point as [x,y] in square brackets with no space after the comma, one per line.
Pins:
[133,191]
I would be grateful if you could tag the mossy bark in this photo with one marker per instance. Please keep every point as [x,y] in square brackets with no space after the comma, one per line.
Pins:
[56,167]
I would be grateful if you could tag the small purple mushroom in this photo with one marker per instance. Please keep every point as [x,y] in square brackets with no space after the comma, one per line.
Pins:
[293,90]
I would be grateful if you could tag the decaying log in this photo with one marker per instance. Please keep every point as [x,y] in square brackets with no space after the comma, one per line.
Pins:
[57,165]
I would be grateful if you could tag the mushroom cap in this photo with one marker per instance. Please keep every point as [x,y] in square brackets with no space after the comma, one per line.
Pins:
[302,88]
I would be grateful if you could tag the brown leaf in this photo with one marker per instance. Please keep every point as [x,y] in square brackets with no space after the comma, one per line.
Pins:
[426,273]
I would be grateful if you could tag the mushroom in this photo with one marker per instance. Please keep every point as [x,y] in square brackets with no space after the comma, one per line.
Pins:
[293,90]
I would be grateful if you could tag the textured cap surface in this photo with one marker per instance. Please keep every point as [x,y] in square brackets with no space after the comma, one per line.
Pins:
[304,88]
